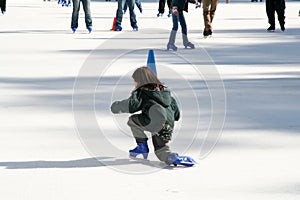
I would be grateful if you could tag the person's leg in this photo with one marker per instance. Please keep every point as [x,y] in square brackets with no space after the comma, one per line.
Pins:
[125,7]
[137,129]
[169,2]
[133,21]
[213,8]
[138,4]
[161,149]
[119,14]
[280,9]
[183,28]
[3,7]
[270,9]
[87,12]
[206,14]
[140,137]
[174,30]
[75,13]
[161,7]
[185,39]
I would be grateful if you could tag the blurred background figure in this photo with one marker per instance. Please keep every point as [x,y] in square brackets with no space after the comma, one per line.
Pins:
[119,15]
[87,13]
[279,7]
[209,9]
[161,8]
[3,6]
[138,4]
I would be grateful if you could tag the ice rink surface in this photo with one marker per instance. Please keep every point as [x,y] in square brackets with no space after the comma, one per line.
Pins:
[253,73]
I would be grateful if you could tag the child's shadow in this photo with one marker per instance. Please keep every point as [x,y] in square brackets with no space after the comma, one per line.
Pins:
[82,163]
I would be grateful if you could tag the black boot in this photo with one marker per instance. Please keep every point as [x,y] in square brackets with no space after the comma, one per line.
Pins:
[207,32]
[271,28]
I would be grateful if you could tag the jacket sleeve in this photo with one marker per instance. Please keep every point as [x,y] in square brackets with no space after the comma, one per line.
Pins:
[175,109]
[130,105]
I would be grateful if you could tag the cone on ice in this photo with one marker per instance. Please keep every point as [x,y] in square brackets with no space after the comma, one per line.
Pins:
[114,23]
[151,61]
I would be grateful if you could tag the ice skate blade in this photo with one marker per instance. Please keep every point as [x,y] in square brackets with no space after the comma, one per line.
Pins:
[137,158]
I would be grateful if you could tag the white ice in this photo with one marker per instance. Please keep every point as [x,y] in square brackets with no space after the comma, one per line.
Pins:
[42,155]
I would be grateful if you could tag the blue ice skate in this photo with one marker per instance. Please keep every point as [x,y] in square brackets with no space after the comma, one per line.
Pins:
[135,28]
[159,14]
[66,4]
[69,4]
[90,29]
[74,29]
[141,148]
[141,10]
[175,159]
[117,28]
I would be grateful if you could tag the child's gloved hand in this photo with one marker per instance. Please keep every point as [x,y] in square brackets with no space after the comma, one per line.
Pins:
[198,4]
[175,11]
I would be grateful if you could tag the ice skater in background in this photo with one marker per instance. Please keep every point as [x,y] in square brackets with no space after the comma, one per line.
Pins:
[161,8]
[64,3]
[178,6]
[87,13]
[138,4]
[209,9]
[3,6]
[279,7]
[119,15]
[159,111]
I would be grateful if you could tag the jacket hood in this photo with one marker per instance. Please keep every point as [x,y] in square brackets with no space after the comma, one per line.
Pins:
[161,97]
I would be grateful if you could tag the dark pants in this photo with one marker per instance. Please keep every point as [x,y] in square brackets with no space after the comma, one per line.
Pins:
[279,7]
[87,13]
[3,5]
[119,15]
[181,19]
[162,3]
[162,150]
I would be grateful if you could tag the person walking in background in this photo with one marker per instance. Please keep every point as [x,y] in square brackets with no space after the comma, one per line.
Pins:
[161,8]
[87,13]
[279,7]
[138,4]
[119,15]
[178,6]
[209,9]
[159,111]
[3,6]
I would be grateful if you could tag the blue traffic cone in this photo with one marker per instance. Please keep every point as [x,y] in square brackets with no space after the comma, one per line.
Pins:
[151,61]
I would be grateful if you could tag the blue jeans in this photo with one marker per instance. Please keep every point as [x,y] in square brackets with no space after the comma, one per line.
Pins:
[87,12]
[180,18]
[138,4]
[119,14]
